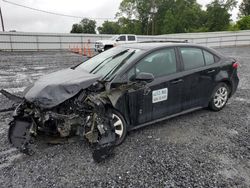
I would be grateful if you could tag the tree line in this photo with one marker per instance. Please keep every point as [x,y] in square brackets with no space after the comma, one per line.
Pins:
[156,17]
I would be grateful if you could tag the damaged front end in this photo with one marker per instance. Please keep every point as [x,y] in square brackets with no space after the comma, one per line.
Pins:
[87,115]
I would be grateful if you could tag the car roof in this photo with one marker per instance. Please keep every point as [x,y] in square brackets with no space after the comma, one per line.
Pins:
[148,46]
[152,45]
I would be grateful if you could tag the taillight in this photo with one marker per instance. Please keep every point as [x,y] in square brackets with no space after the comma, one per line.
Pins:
[236,65]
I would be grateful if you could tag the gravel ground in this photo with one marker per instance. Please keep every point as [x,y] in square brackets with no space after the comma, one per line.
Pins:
[200,149]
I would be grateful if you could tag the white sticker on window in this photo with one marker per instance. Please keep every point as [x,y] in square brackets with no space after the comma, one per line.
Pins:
[160,95]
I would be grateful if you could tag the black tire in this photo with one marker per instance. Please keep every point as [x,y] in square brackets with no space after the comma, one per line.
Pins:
[219,97]
[121,125]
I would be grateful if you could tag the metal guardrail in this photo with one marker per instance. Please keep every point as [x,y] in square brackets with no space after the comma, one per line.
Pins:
[15,41]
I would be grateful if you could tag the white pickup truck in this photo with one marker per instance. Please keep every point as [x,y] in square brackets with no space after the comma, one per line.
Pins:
[103,45]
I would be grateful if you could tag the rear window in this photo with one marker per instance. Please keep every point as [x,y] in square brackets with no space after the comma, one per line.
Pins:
[131,38]
[192,58]
[209,58]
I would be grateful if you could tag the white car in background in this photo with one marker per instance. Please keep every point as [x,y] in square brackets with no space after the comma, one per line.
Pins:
[103,45]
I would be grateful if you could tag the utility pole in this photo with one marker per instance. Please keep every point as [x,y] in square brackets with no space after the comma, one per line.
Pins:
[2,19]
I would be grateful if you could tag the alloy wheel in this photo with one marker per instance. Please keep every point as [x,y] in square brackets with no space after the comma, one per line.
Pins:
[119,126]
[220,97]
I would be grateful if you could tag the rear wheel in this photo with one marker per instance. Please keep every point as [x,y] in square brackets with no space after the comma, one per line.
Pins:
[120,127]
[219,97]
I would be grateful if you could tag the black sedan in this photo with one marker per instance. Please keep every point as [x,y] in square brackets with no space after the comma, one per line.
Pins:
[124,88]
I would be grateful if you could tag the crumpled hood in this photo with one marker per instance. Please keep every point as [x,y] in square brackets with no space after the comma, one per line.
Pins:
[55,88]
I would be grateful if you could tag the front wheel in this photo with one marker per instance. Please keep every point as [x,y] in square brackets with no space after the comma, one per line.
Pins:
[219,97]
[120,126]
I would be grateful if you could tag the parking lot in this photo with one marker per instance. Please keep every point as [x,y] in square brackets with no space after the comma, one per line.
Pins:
[200,149]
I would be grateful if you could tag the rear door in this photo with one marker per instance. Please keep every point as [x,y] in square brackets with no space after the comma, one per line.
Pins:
[162,97]
[197,76]
[208,76]
[131,38]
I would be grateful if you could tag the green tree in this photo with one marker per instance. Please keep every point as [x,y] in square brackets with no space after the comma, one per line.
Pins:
[173,16]
[245,8]
[109,28]
[88,26]
[76,28]
[176,16]
[218,16]
[164,16]
[244,23]
[138,9]
[85,26]
[233,27]
[129,26]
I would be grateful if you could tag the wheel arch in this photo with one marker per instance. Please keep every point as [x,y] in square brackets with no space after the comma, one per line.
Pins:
[117,109]
[224,77]
[123,118]
[228,83]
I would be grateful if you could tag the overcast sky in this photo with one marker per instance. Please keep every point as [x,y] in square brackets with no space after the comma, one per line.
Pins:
[21,19]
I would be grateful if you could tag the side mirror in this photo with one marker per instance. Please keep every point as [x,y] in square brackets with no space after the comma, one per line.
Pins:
[144,77]
[117,40]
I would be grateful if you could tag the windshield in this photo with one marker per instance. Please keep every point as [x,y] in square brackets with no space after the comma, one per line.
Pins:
[108,63]
[114,37]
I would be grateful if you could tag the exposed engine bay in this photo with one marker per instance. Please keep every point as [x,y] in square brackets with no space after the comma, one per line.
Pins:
[87,114]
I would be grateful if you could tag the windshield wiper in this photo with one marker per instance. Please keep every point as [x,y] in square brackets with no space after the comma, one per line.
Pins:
[100,64]
[112,57]
[120,54]
[118,66]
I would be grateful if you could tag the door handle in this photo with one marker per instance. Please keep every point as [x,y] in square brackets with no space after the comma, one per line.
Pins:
[176,81]
[210,71]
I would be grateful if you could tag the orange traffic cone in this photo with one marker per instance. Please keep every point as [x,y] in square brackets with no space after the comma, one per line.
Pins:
[89,52]
[76,51]
[84,51]
[80,51]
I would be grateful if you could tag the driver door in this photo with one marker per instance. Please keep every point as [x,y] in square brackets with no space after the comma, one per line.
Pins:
[161,97]
[121,39]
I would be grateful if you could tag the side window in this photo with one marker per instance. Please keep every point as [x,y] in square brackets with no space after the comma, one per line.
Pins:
[192,58]
[131,38]
[159,63]
[209,58]
[122,38]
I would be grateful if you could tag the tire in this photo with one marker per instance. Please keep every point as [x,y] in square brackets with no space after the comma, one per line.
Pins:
[120,127]
[219,97]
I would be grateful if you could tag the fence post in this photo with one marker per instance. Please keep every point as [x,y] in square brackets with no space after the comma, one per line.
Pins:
[37,43]
[11,47]
[81,42]
[60,42]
